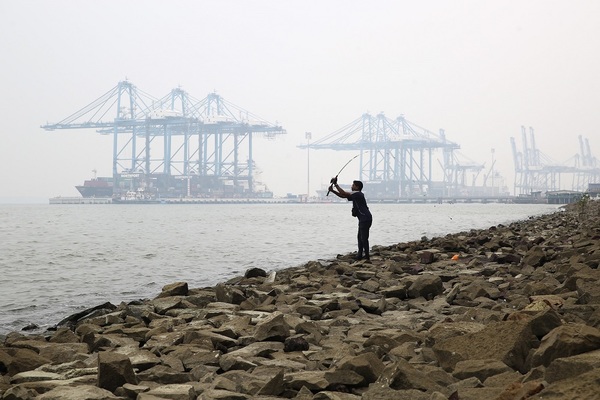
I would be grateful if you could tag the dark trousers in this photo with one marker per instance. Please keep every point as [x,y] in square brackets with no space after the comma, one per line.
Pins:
[363,237]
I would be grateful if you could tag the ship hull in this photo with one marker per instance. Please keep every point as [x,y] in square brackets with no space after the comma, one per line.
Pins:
[87,191]
[96,187]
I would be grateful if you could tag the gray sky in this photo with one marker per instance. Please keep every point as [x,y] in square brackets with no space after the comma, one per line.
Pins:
[478,69]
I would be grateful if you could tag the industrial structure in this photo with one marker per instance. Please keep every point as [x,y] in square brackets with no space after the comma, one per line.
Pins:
[175,146]
[536,173]
[178,147]
[398,160]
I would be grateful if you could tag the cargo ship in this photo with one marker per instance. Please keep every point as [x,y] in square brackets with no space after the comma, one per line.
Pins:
[96,187]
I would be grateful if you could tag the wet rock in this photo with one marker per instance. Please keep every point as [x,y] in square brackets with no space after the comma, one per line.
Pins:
[174,289]
[255,273]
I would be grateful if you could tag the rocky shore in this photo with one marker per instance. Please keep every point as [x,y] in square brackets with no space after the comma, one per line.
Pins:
[510,312]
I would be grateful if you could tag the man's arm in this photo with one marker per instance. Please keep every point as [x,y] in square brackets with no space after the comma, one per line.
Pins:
[340,192]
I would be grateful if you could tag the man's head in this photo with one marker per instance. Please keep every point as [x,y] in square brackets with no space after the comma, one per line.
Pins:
[357,185]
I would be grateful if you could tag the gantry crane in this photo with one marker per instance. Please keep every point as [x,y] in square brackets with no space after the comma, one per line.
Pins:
[536,172]
[396,156]
[588,168]
[175,146]
[456,167]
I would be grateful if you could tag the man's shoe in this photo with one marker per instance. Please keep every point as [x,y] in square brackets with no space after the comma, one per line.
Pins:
[358,258]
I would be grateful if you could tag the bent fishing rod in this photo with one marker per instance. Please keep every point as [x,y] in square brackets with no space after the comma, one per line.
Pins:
[334,179]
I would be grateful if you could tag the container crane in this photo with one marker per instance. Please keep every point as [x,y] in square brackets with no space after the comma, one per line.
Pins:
[396,156]
[177,145]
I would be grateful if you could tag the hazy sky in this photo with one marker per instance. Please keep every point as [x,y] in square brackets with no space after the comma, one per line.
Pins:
[478,69]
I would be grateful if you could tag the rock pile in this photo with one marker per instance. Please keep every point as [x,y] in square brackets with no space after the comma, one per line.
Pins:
[510,312]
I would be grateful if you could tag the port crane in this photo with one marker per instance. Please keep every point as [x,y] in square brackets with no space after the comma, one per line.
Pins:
[536,172]
[397,157]
[588,167]
[176,145]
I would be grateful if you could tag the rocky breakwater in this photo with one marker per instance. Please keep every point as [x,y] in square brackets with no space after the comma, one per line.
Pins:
[510,312]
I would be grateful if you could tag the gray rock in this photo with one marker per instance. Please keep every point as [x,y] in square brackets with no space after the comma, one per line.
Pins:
[564,341]
[509,342]
[174,289]
[480,369]
[273,328]
[114,370]
[83,392]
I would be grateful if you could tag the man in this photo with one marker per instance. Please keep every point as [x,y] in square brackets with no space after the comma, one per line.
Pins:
[359,210]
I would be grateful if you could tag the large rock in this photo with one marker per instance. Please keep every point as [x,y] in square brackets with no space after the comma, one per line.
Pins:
[174,392]
[83,392]
[114,370]
[174,289]
[509,342]
[427,286]
[402,376]
[571,367]
[313,380]
[566,340]
[274,386]
[586,386]
[481,369]
[367,365]
[229,294]
[273,327]
[15,360]
[64,335]
[35,376]
[164,375]
[535,257]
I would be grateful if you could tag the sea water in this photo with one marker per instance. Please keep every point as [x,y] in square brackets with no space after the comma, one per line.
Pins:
[56,260]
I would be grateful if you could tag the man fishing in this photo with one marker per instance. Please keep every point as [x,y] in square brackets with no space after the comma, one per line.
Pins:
[359,210]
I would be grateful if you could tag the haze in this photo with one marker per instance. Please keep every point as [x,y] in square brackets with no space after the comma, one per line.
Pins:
[477,69]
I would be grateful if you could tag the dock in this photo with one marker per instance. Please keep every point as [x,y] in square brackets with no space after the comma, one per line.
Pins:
[80,200]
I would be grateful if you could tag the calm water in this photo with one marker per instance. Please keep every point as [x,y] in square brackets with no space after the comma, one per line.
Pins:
[58,259]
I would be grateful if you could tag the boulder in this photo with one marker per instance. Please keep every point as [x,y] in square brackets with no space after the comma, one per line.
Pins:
[480,369]
[15,360]
[80,392]
[114,370]
[509,342]
[273,328]
[564,341]
[174,289]
[367,365]
[427,286]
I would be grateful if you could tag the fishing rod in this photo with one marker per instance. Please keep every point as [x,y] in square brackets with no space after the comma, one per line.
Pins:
[334,180]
